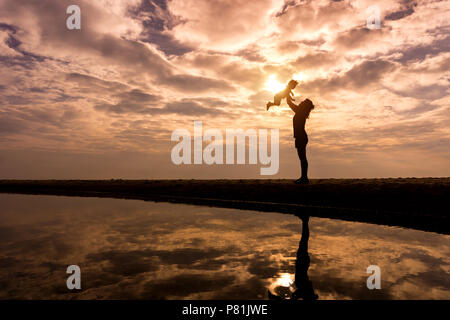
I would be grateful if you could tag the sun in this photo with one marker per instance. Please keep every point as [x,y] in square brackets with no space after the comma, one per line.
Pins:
[273,85]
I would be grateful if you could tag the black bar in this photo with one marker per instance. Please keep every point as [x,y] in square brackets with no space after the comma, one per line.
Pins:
[233,309]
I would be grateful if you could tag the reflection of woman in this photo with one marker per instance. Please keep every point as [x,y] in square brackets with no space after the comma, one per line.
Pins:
[302,112]
[304,288]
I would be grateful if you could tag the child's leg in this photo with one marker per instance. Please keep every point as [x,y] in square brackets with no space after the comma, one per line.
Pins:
[276,102]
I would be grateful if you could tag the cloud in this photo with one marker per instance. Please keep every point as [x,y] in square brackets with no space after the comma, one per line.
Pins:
[357,37]
[187,107]
[221,25]
[141,103]
[185,284]
[308,18]
[420,109]
[156,21]
[134,101]
[314,60]
[128,263]
[189,83]
[406,9]
[95,84]
[367,73]
[428,92]
[108,48]
[10,125]
[420,52]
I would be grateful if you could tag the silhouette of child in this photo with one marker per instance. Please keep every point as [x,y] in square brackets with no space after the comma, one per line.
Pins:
[283,94]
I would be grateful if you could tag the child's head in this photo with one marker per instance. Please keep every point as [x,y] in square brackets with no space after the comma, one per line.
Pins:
[292,84]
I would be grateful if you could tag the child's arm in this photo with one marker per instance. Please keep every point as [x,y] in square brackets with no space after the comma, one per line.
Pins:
[291,95]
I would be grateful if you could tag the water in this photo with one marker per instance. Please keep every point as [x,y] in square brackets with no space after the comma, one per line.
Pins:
[130,249]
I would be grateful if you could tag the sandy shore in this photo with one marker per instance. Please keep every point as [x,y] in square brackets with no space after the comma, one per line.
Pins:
[421,204]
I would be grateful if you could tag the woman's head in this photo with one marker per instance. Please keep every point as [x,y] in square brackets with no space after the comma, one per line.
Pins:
[307,105]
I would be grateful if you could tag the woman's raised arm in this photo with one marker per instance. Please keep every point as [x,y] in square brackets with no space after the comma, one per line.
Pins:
[292,105]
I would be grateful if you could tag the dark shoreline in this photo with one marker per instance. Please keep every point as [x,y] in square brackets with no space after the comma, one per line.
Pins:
[418,203]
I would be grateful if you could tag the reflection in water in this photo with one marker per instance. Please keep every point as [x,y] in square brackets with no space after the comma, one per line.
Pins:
[304,288]
[129,249]
[301,287]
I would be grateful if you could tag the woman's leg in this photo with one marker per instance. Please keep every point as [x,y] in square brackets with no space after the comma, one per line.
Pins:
[301,151]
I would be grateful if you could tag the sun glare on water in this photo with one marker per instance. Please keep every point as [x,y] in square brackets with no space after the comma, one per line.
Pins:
[285,280]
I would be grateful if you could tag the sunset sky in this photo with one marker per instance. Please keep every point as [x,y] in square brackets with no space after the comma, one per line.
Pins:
[102,102]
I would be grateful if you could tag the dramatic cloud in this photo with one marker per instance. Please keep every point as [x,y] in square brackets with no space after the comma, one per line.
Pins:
[139,69]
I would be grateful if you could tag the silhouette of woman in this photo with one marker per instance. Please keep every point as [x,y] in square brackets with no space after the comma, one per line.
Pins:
[302,112]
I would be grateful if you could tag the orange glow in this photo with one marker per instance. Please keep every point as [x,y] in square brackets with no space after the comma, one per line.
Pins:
[300,77]
[273,85]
